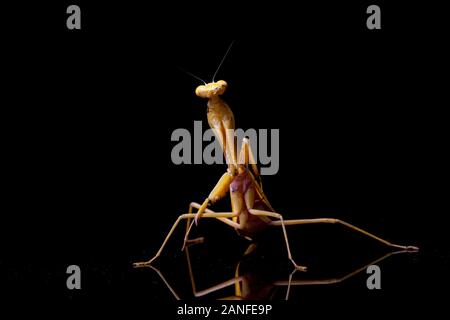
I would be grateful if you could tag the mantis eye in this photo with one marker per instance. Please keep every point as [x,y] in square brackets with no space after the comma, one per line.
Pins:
[222,86]
[201,91]
[222,83]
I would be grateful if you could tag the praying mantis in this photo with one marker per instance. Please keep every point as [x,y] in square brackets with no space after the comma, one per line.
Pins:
[251,212]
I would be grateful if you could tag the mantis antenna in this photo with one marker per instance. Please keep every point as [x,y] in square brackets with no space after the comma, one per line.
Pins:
[192,75]
[223,59]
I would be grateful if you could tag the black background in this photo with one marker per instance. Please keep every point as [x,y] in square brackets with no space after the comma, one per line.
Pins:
[88,174]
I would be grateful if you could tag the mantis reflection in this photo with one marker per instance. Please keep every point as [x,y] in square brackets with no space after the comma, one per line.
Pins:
[249,286]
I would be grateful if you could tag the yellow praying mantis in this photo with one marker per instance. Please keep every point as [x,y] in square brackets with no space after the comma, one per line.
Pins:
[251,212]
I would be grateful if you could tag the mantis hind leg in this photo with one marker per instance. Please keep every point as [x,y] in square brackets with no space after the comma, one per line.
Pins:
[347,225]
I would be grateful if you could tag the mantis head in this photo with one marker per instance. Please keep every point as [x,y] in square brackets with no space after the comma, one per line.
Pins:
[211,89]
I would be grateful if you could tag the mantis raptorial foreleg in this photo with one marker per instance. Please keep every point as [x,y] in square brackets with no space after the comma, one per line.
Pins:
[246,154]
[219,191]
[189,225]
[220,135]
[192,205]
[246,157]
[230,145]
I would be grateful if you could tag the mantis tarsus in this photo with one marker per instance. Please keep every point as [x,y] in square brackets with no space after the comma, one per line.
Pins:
[251,211]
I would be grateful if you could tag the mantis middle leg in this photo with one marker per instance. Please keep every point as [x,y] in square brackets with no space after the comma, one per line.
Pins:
[222,216]
[249,202]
